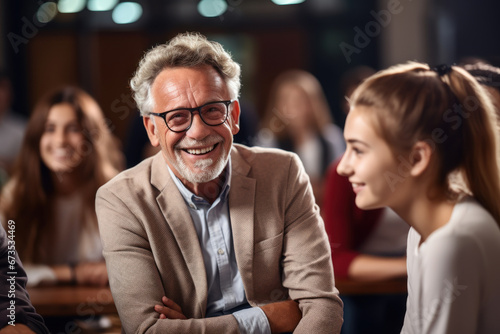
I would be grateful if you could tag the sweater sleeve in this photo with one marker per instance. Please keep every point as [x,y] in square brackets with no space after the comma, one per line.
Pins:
[347,226]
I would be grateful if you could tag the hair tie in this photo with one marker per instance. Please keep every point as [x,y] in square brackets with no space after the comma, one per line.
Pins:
[441,69]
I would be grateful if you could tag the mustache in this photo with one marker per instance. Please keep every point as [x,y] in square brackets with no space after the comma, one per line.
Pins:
[207,141]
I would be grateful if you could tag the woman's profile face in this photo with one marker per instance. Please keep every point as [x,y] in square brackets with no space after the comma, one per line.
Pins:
[369,163]
[62,141]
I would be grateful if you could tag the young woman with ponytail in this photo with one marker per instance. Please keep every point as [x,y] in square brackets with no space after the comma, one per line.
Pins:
[423,142]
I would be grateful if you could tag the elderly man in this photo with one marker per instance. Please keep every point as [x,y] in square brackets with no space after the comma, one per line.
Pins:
[207,236]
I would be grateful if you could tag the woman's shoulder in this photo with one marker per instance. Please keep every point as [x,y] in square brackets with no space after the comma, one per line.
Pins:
[471,230]
[470,218]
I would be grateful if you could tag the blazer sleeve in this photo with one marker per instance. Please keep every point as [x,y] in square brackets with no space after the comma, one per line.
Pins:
[307,264]
[133,275]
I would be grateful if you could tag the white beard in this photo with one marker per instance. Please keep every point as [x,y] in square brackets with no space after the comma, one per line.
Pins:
[209,169]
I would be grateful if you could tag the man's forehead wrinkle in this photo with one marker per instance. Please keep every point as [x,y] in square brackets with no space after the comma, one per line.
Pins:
[171,87]
[189,91]
[166,88]
[172,90]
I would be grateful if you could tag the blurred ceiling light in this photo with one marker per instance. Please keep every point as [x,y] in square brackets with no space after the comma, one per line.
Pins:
[127,12]
[46,12]
[70,6]
[101,5]
[287,2]
[212,8]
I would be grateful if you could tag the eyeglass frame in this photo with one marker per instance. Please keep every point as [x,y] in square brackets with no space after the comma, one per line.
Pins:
[163,115]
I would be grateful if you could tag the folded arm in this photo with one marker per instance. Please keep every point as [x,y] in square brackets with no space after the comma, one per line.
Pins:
[282,316]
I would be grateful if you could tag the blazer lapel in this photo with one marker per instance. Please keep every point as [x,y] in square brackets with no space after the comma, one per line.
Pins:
[177,216]
[242,210]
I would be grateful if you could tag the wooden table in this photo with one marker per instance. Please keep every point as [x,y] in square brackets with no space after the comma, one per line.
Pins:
[66,300]
[350,287]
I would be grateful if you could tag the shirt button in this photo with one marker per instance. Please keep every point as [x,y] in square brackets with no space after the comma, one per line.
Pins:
[220,251]
[192,206]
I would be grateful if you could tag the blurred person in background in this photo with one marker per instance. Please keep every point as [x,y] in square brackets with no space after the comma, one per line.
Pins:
[298,119]
[67,153]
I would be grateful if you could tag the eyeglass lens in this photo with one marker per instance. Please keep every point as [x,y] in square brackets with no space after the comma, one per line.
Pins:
[212,114]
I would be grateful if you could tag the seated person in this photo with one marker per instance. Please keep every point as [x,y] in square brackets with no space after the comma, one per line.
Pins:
[435,163]
[17,315]
[207,236]
[67,153]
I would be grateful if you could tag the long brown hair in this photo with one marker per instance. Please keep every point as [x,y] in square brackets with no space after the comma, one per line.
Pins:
[447,108]
[28,195]
[275,119]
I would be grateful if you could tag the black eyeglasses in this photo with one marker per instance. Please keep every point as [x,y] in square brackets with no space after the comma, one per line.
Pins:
[180,120]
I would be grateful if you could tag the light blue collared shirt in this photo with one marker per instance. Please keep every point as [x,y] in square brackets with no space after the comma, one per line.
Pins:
[226,293]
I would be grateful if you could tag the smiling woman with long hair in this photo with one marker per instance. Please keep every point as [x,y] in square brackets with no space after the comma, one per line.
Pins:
[298,119]
[68,152]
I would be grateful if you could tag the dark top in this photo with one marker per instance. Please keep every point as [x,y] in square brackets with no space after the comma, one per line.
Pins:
[15,304]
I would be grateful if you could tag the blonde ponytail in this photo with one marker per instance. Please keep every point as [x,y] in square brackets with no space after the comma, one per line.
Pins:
[480,140]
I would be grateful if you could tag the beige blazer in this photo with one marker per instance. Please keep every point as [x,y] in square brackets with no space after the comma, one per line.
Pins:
[282,251]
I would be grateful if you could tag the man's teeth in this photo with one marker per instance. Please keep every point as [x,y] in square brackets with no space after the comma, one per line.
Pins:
[200,150]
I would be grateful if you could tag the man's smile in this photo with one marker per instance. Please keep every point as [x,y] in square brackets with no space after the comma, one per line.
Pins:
[200,151]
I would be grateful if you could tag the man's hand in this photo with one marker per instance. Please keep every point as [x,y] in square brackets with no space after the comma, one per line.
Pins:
[282,316]
[170,310]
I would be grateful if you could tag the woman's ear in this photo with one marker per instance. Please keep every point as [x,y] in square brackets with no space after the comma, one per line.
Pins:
[420,158]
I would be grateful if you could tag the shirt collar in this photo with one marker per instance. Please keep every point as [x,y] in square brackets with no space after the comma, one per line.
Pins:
[194,201]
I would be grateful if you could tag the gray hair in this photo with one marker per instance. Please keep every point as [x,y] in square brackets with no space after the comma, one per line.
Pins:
[184,50]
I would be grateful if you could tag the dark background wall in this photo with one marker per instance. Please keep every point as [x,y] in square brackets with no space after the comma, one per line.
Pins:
[322,36]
